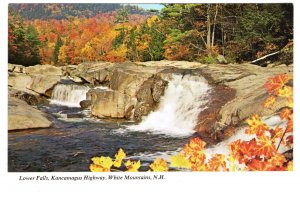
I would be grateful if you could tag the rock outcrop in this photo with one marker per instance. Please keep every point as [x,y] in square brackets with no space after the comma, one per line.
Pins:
[134,90]
[23,116]
[36,80]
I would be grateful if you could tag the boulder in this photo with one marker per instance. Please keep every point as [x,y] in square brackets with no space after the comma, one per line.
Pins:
[44,70]
[109,103]
[23,116]
[16,68]
[30,99]
[221,59]
[43,84]
[20,82]
[85,104]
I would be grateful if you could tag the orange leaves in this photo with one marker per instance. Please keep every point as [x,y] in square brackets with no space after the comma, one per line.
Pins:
[269,101]
[265,147]
[256,126]
[194,150]
[217,163]
[195,144]
[285,113]
[273,85]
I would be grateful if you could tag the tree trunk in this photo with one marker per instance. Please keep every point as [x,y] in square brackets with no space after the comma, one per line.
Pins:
[214,28]
[208,42]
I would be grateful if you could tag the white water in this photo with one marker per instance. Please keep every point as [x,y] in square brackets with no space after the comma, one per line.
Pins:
[179,108]
[223,147]
[68,94]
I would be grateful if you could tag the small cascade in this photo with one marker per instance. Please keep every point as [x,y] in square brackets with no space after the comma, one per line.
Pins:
[68,94]
[184,98]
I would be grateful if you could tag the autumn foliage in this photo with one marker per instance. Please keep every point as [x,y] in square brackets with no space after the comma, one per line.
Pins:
[261,153]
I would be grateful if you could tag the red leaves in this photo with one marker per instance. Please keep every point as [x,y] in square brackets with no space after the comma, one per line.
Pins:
[276,83]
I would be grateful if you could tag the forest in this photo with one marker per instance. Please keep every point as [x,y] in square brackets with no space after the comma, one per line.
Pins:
[62,34]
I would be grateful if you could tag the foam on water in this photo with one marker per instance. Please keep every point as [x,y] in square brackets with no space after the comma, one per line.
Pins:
[183,100]
[68,94]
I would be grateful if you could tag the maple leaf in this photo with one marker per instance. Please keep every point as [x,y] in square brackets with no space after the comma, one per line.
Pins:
[119,158]
[286,92]
[277,160]
[290,140]
[159,165]
[234,148]
[285,113]
[259,165]
[276,83]
[269,101]
[290,102]
[97,168]
[194,145]
[180,161]
[290,166]
[247,150]
[102,162]
[290,125]
[265,147]
[256,126]
[276,133]
[132,166]
[217,163]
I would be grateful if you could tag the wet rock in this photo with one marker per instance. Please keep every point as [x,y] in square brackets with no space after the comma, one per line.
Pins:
[23,116]
[85,104]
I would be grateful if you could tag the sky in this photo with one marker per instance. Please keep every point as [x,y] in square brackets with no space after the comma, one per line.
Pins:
[148,6]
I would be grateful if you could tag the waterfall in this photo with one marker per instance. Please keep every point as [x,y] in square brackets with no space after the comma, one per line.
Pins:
[68,94]
[184,98]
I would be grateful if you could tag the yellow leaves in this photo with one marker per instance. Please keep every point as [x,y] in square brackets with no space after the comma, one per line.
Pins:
[269,101]
[286,92]
[290,166]
[180,161]
[290,102]
[256,126]
[101,164]
[159,165]
[132,166]
[119,158]
[104,164]
[277,160]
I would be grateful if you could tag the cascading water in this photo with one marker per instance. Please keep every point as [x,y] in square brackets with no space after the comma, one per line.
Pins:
[184,98]
[69,94]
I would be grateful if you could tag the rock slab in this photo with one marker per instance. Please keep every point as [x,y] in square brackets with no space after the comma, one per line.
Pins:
[23,116]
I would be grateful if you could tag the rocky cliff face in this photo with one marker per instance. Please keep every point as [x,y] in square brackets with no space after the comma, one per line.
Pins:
[135,89]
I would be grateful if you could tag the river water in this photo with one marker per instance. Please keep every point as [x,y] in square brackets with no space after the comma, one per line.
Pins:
[76,136]
[71,142]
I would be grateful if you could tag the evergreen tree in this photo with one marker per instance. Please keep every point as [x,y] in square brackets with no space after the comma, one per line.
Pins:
[58,44]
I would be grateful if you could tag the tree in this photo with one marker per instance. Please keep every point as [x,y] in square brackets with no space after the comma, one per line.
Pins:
[23,45]
[58,44]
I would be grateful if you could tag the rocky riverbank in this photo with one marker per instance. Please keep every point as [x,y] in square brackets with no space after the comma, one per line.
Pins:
[135,89]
